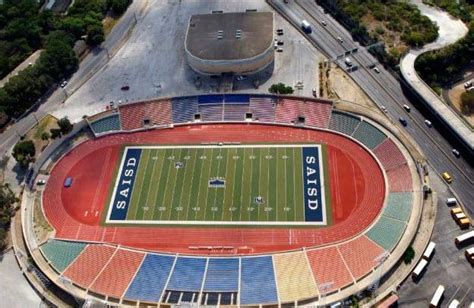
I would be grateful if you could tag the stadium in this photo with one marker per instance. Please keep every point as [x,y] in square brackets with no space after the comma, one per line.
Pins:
[236,199]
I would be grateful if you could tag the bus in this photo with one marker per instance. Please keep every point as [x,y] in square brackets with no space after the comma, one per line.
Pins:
[469,253]
[454,304]
[464,239]
[420,267]
[429,251]
[437,296]
[464,223]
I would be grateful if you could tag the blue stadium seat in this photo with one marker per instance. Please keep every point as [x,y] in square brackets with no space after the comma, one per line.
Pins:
[184,109]
[369,135]
[150,279]
[257,282]
[343,122]
[110,123]
[222,275]
[237,99]
[188,274]
[61,253]
[212,99]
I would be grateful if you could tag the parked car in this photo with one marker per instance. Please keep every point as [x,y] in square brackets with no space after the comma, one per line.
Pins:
[468,84]
[125,88]
[279,49]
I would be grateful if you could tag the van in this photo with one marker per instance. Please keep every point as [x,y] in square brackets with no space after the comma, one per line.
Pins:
[447,177]
[451,201]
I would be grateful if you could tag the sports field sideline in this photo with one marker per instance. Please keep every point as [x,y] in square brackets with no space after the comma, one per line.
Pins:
[278,184]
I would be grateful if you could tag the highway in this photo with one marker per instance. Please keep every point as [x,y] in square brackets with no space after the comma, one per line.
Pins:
[385,90]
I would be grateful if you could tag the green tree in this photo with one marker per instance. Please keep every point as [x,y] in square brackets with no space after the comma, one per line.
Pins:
[280,88]
[55,133]
[118,6]
[408,255]
[65,125]
[24,152]
[95,35]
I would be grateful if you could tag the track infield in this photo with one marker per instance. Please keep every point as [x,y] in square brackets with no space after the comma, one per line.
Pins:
[279,184]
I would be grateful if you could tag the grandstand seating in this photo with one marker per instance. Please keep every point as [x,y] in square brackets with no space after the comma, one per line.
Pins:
[132,116]
[184,109]
[257,281]
[399,205]
[294,279]
[361,255]
[263,108]
[334,274]
[211,113]
[87,266]
[106,124]
[236,99]
[158,112]
[188,274]
[288,110]
[114,279]
[369,135]
[151,278]
[343,122]
[235,112]
[386,232]
[222,275]
[61,253]
[212,99]
[399,179]
[389,155]
[317,114]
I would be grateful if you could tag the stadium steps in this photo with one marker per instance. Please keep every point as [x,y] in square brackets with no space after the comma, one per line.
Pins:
[263,108]
[398,206]
[334,275]
[184,109]
[389,155]
[386,232]
[294,279]
[222,275]
[106,124]
[257,281]
[188,274]
[88,265]
[343,122]
[369,135]
[361,255]
[61,253]
[114,279]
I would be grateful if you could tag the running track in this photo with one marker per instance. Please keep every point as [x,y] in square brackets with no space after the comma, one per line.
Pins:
[356,182]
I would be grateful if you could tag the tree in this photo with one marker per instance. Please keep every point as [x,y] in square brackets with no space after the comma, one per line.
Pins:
[118,6]
[55,133]
[280,88]
[408,255]
[467,103]
[24,152]
[95,35]
[65,125]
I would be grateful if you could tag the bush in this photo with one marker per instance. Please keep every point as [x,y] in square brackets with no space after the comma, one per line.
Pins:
[408,255]
[55,133]
[467,103]
[280,88]
[24,152]
[65,126]
[45,136]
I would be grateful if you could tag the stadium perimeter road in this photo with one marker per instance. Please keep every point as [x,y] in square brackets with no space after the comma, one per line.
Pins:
[14,288]
[448,266]
[153,62]
[385,91]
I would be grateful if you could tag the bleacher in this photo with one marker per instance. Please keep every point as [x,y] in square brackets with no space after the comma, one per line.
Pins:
[288,110]
[106,124]
[235,112]
[188,274]
[386,232]
[369,135]
[263,108]
[317,113]
[222,275]
[343,122]
[257,281]
[61,253]
[151,278]
[399,205]
[294,278]
[184,108]
[211,113]
[237,99]
[389,155]
[212,99]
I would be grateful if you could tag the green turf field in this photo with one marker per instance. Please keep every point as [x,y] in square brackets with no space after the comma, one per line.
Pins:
[226,184]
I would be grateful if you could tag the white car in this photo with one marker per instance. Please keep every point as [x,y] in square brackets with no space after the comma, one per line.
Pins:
[41,182]
[428,123]
[324,23]
[339,39]
[456,152]
[279,49]
[406,107]
[376,69]
[467,84]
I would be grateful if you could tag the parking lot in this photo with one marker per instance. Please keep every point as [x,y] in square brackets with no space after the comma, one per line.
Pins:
[152,62]
[448,266]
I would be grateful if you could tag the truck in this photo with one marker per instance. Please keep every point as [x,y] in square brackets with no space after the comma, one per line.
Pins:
[306,26]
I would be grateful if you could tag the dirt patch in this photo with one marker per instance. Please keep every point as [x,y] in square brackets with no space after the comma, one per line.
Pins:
[36,133]
[109,22]
[41,226]
[378,29]
[455,98]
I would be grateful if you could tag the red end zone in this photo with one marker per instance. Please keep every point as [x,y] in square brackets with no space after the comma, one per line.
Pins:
[356,181]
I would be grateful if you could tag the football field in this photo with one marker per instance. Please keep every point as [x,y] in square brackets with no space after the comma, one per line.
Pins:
[281,184]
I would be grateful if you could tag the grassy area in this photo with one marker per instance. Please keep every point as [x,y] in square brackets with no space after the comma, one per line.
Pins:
[36,133]
[174,184]
[41,225]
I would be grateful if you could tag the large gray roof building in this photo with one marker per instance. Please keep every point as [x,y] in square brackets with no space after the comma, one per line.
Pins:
[240,43]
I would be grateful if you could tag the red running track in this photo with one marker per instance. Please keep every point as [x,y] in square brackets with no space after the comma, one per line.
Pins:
[356,182]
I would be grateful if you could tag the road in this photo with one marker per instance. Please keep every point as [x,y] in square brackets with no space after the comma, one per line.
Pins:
[385,90]
[88,67]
